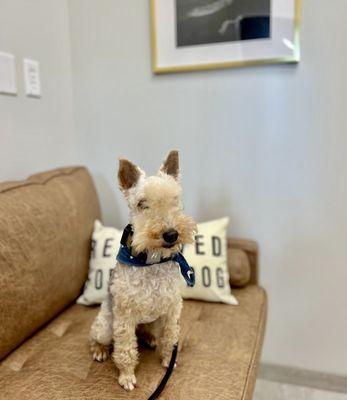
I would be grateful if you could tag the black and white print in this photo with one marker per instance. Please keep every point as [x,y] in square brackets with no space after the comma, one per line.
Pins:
[215,21]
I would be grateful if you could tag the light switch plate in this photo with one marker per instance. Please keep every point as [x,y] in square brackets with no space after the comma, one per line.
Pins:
[8,81]
[32,77]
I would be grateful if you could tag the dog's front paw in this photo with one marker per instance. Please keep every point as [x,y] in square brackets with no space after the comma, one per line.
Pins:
[127,381]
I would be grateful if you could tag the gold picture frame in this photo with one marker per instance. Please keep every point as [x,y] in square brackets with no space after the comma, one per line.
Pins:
[157,69]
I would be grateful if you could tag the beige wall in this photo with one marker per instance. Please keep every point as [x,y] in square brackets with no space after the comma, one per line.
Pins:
[265,145]
[37,134]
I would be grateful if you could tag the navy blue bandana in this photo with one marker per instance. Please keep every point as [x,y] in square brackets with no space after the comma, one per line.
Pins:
[124,256]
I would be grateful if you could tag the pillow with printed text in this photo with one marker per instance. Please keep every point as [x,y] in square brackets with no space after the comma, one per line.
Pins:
[104,248]
[208,257]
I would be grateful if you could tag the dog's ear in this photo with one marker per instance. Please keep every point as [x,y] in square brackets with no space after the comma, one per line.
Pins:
[170,165]
[128,174]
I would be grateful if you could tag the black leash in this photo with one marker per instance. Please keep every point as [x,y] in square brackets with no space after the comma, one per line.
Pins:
[167,375]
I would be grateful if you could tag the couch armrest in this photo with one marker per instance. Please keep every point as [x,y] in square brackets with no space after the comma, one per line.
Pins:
[251,249]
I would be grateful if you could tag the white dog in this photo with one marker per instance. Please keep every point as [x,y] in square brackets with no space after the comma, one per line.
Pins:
[144,286]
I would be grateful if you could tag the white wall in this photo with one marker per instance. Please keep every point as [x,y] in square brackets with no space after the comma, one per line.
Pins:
[37,134]
[265,145]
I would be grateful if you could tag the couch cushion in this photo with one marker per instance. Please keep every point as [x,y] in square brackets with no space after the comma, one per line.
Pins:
[220,349]
[45,227]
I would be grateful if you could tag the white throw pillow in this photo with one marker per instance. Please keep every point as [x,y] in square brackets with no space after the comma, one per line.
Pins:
[104,249]
[208,257]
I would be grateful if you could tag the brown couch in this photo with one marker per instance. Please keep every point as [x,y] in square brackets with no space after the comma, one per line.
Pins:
[45,228]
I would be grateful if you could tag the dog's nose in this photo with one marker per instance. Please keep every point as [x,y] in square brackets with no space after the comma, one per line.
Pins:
[170,236]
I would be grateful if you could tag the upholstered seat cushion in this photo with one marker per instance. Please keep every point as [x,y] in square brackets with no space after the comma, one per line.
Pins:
[220,350]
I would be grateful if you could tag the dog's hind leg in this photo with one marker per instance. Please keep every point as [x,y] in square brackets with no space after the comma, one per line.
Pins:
[101,332]
[148,334]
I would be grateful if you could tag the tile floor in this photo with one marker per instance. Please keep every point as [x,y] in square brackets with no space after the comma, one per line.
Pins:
[269,390]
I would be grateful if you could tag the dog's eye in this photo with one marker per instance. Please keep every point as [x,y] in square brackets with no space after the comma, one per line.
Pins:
[142,205]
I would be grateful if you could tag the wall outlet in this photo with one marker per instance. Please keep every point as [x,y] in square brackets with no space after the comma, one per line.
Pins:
[8,81]
[32,77]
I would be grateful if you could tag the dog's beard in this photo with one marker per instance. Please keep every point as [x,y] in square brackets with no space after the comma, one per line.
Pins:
[148,236]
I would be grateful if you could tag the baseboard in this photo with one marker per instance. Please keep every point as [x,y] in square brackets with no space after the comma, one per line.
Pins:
[302,377]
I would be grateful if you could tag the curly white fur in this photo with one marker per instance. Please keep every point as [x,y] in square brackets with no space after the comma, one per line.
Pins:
[145,297]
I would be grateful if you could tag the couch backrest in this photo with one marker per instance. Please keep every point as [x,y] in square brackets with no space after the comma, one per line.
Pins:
[250,253]
[46,223]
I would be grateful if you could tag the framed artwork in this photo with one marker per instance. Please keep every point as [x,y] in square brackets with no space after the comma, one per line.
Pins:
[190,35]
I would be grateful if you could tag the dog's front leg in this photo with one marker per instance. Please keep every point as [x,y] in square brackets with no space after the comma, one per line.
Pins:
[125,354]
[170,330]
